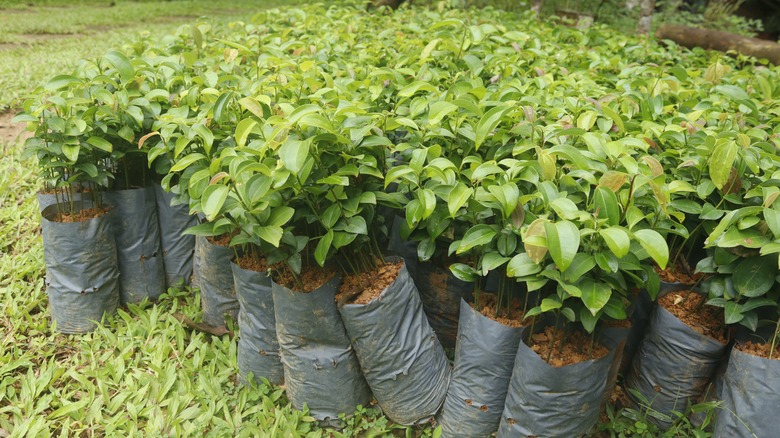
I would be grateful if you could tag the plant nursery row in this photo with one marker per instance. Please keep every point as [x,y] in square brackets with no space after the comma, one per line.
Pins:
[564,208]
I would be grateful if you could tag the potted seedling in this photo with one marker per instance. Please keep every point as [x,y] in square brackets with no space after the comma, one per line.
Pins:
[79,249]
[305,281]
[743,282]
[491,325]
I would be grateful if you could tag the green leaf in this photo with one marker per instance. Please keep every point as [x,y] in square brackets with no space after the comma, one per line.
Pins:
[488,123]
[60,82]
[281,215]
[491,261]
[588,320]
[121,63]
[243,129]
[323,246]
[220,105]
[586,120]
[330,216]
[581,265]
[439,110]
[270,234]
[101,143]
[293,154]
[655,245]
[755,276]
[563,241]
[213,199]
[772,218]
[522,266]
[428,202]
[463,272]
[71,151]
[458,197]
[617,240]
[733,312]
[354,225]
[186,162]
[477,235]
[606,204]
[721,161]
[595,295]
[550,303]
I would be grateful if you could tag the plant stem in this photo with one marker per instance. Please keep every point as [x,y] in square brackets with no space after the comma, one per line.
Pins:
[774,339]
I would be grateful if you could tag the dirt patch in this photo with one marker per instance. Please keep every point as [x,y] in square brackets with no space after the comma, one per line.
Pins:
[11,132]
[252,263]
[223,240]
[512,317]
[82,215]
[368,286]
[687,306]
[618,323]
[312,278]
[679,273]
[759,349]
[575,348]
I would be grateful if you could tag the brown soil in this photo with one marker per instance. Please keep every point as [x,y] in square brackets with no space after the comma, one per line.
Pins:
[679,273]
[252,263]
[621,323]
[487,307]
[312,278]
[368,286]
[759,349]
[11,132]
[82,215]
[223,240]
[705,320]
[574,350]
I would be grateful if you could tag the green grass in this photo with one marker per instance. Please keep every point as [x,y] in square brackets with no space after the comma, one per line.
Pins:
[49,38]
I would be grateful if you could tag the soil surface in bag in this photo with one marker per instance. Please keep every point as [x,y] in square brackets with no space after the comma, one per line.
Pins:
[320,366]
[403,361]
[559,349]
[749,393]
[178,248]
[82,278]
[549,401]
[214,277]
[258,348]
[703,319]
[484,359]
[137,233]
[676,361]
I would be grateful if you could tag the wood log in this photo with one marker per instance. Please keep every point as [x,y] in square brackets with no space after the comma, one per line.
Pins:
[691,37]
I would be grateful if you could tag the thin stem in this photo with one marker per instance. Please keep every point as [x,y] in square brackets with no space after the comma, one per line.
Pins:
[774,339]
[551,345]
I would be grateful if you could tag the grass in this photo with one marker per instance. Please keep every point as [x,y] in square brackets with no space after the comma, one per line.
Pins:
[49,38]
[144,374]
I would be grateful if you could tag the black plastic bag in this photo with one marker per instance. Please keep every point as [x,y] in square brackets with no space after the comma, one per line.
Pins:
[403,361]
[614,338]
[441,293]
[47,199]
[672,367]
[258,349]
[82,278]
[137,234]
[484,359]
[178,249]
[321,369]
[546,401]
[750,397]
[215,280]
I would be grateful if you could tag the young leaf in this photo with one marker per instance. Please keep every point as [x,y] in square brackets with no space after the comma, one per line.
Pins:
[655,245]
[477,235]
[213,198]
[563,241]
[755,276]
[617,240]
[721,161]
[323,246]
[293,153]
[488,123]
[595,295]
